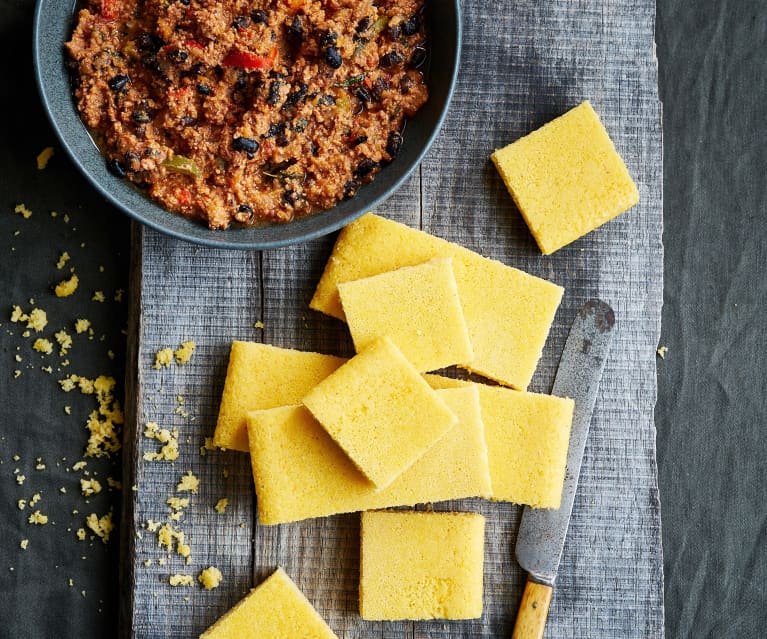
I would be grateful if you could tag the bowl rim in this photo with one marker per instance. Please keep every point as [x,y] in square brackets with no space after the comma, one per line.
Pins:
[194,231]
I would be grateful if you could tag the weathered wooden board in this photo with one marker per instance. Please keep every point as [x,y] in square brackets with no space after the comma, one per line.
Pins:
[524,62]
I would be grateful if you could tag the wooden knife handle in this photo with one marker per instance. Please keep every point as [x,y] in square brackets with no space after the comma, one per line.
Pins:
[533,611]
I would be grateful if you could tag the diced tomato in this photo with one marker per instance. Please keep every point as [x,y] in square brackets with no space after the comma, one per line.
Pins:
[251,61]
[179,93]
[193,44]
[183,196]
[110,9]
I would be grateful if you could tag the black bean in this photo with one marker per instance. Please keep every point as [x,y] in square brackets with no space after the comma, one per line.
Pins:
[296,96]
[188,120]
[418,57]
[240,83]
[328,39]
[259,16]
[411,25]
[391,59]
[362,94]
[326,99]
[405,84]
[314,148]
[186,3]
[394,32]
[379,86]
[296,29]
[281,140]
[240,22]
[275,129]
[364,168]
[118,82]
[333,57]
[358,140]
[244,208]
[363,25]
[248,145]
[393,144]
[274,93]
[290,197]
[116,168]
[141,116]
[204,89]
[149,42]
[179,56]
[350,189]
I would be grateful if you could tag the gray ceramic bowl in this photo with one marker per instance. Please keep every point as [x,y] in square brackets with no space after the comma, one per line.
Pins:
[52,27]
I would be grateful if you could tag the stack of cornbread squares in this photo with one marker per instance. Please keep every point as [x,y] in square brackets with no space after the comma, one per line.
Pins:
[328,435]
[378,431]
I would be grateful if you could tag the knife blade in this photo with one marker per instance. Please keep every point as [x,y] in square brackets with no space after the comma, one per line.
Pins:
[542,532]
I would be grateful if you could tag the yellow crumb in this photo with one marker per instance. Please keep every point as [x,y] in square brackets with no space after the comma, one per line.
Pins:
[188,483]
[119,295]
[68,410]
[221,505]
[80,465]
[63,259]
[24,544]
[81,534]
[102,526]
[16,374]
[65,288]
[98,296]
[110,354]
[662,350]
[90,487]
[35,498]
[166,536]
[258,324]
[147,562]
[82,325]
[40,466]
[177,503]
[169,439]
[37,319]
[17,357]
[114,484]
[103,424]
[63,490]
[38,518]
[184,352]
[20,479]
[206,446]
[210,578]
[44,156]
[65,341]
[23,211]
[181,580]
[42,345]
[163,357]
[22,504]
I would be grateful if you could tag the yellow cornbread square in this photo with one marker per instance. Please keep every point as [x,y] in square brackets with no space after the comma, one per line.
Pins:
[276,609]
[261,376]
[323,481]
[566,178]
[417,307]
[421,565]
[527,436]
[380,411]
[508,312]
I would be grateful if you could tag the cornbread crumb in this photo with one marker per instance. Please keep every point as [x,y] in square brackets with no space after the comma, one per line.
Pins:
[81,534]
[147,562]
[98,296]
[114,483]
[43,345]
[68,410]
[119,295]
[44,157]
[177,503]
[80,465]
[16,374]
[63,259]
[64,340]
[36,320]
[662,350]
[163,357]
[40,466]
[184,352]
[221,505]
[65,288]
[90,487]
[102,526]
[22,504]
[181,580]
[188,483]
[20,479]
[24,544]
[82,325]
[210,578]
[167,535]
[22,210]
[259,324]
[169,439]
[35,498]
[38,518]
[206,446]
[63,490]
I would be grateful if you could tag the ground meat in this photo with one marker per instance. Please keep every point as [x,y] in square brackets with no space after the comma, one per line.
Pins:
[248,112]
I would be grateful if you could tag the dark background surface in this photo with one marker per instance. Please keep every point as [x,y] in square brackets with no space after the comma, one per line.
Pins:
[711,406]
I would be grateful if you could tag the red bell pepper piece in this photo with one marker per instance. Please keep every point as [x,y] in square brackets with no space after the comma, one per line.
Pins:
[251,61]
